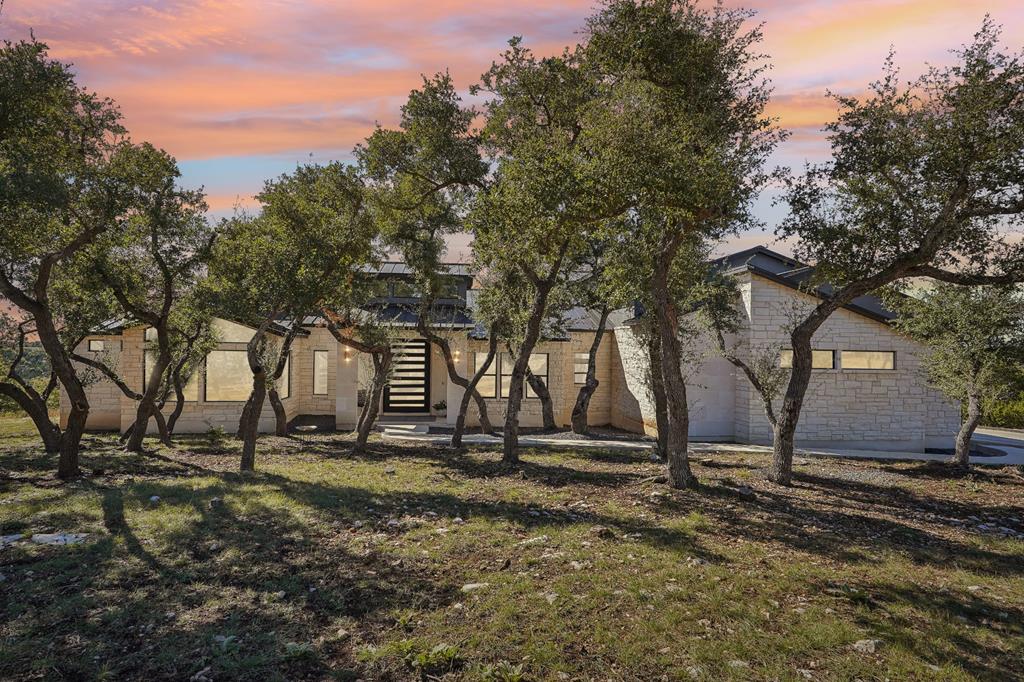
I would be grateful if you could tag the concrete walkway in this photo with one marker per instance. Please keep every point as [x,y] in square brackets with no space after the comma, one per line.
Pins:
[1007,441]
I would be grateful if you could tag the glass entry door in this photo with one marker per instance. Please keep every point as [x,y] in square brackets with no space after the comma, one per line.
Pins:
[408,390]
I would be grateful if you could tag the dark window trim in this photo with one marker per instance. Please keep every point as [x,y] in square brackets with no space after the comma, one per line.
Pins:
[102,342]
[327,389]
[492,371]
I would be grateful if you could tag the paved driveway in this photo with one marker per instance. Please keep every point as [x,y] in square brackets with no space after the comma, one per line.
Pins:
[1009,441]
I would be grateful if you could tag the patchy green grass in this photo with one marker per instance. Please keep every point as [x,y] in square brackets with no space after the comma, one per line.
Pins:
[416,563]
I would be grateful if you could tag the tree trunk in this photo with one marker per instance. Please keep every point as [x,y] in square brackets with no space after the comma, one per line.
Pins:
[962,453]
[161,425]
[658,393]
[546,408]
[381,368]
[280,416]
[781,469]
[677,443]
[460,419]
[453,374]
[510,446]
[244,418]
[179,405]
[60,364]
[250,421]
[35,407]
[579,419]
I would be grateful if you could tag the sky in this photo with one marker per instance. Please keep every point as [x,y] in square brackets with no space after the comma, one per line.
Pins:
[240,91]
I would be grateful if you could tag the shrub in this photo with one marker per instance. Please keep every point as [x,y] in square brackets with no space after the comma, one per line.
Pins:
[1008,414]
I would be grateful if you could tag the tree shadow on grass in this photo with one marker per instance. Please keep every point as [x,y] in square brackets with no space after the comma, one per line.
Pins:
[938,625]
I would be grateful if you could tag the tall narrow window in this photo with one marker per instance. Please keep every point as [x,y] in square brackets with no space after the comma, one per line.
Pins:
[539,368]
[868,359]
[506,373]
[228,377]
[488,386]
[320,372]
[820,359]
[580,363]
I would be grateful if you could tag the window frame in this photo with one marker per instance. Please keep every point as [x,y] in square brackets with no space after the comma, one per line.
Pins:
[327,372]
[547,373]
[101,349]
[891,353]
[814,352]
[492,372]
[206,374]
[576,363]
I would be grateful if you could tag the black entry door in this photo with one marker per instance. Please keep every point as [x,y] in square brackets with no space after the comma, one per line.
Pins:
[409,387]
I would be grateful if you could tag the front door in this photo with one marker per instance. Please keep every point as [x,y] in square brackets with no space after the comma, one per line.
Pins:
[409,387]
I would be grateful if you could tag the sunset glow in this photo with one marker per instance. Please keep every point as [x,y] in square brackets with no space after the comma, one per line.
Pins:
[241,91]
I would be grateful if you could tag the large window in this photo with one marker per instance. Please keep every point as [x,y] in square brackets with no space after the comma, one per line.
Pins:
[488,386]
[228,377]
[191,387]
[820,359]
[868,359]
[538,365]
[539,368]
[320,359]
[580,363]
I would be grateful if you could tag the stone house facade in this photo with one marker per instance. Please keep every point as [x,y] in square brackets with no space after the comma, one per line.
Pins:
[866,392]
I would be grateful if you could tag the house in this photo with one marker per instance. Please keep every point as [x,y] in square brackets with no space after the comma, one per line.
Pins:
[866,391]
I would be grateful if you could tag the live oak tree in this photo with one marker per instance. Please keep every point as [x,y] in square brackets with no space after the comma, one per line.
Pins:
[548,189]
[974,341]
[925,179]
[150,267]
[422,178]
[301,254]
[60,189]
[684,131]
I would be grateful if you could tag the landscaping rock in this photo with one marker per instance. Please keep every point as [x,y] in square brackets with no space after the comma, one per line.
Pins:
[473,587]
[602,532]
[867,646]
[58,538]
[539,540]
[10,539]
[155,499]
[216,503]
[203,675]
[738,665]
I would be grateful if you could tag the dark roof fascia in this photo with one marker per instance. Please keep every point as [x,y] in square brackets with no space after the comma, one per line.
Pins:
[852,307]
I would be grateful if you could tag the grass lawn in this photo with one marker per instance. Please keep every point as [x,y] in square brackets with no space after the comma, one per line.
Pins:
[419,563]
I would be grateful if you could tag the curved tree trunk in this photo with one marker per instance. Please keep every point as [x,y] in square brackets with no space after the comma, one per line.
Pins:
[544,395]
[661,419]
[453,374]
[471,392]
[280,416]
[579,419]
[179,405]
[381,368]
[251,421]
[781,469]
[962,453]
[677,443]
[38,411]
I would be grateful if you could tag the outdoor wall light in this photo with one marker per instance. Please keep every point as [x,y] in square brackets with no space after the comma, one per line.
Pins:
[348,355]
